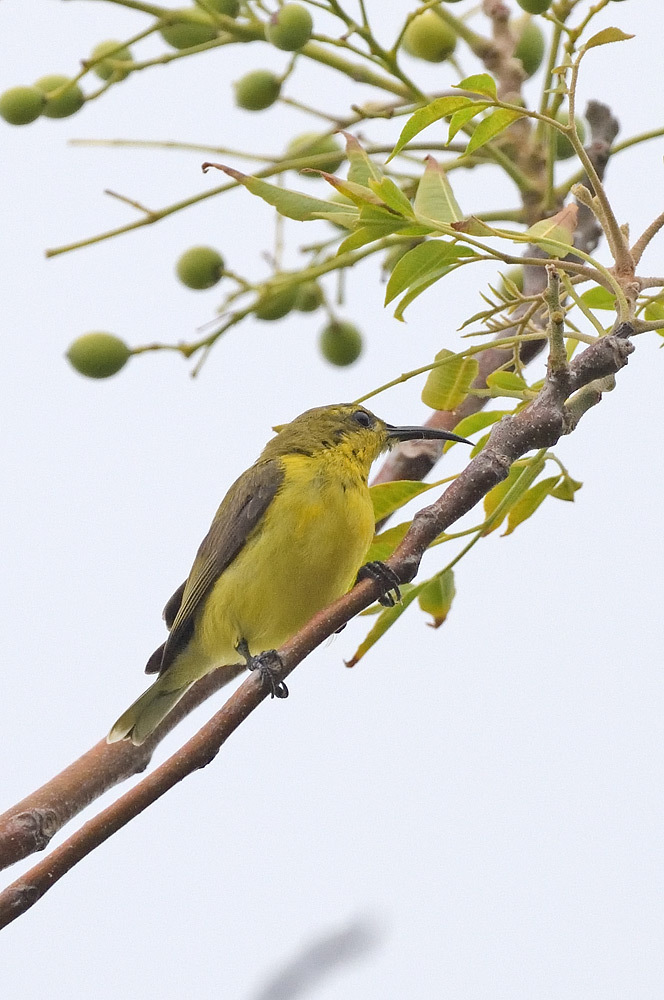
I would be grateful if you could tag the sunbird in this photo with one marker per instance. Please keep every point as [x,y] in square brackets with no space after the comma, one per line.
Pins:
[289,537]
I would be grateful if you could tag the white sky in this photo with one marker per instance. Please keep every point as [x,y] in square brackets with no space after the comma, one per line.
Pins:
[489,794]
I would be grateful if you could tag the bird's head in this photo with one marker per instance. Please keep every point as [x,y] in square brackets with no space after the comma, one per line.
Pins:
[346,429]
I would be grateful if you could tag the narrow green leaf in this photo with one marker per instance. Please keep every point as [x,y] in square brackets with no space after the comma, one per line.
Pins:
[559,227]
[506,380]
[529,502]
[421,263]
[654,311]
[463,116]
[435,199]
[416,290]
[500,500]
[384,622]
[479,445]
[428,115]
[606,36]
[347,219]
[566,489]
[386,542]
[492,125]
[437,596]
[599,298]
[474,227]
[474,423]
[447,385]
[480,83]
[388,497]
[393,196]
[361,168]
[377,609]
[292,204]
[369,233]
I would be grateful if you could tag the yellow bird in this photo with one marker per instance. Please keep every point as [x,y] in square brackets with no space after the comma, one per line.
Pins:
[290,537]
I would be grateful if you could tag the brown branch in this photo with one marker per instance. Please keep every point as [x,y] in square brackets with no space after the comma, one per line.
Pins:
[539,425]
[415,459]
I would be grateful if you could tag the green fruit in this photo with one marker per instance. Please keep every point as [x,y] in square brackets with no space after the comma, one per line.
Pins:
[21,105]
[314,144]
[104,69]
[564,148]
[275,303]
[340,343]
[98,355]
[534,6]
[309,297]
[427,37]
[186,27]
[61,105]
[229,7]
[530,46]
[290,28]
[257,90]
[200,267]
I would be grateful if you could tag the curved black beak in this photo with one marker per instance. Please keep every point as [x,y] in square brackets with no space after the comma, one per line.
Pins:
[422,434]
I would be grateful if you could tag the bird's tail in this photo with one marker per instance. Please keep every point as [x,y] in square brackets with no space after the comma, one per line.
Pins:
[143,717]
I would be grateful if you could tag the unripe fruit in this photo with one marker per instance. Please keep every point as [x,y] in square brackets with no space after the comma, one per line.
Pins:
[309,297]
[314,144]
[340,342]
[186,27]
[98,355]
[275,303]
[290,28]
[229,7]
[427,37]
[257,90]
[564,148]
[61,105]
[21,105]
[534,6]
[200,267]
[104,69]
[530,46]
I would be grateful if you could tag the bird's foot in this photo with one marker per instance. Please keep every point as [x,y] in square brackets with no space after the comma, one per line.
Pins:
[383,574]
[268,664]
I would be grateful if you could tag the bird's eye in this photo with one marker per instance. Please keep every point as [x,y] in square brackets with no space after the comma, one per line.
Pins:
[362,417]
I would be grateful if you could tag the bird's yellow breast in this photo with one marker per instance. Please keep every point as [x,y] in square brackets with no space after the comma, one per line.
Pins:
[304,553]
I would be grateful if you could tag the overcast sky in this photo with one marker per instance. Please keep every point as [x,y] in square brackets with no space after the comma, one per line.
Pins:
[487,797]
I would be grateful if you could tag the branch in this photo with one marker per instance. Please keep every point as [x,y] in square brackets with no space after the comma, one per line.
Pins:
[539,425]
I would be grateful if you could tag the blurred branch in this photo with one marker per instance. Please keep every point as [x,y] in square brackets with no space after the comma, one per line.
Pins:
[538,425]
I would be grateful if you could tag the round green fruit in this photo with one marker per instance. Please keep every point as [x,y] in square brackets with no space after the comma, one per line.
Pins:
[534,6]
[257,90]
[340,343]
[290,28]
[274,303]
[531,45]
[21,105]
[429,38]
[115,50]
[200,267]
[190,26]
[98,355]
[309,297]
[229,7]
[564,148]
[313,144]
[64,104]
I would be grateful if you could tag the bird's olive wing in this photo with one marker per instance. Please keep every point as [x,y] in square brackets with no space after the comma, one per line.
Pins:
[239,513]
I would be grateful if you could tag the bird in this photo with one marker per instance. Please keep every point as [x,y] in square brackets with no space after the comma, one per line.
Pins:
[289,537]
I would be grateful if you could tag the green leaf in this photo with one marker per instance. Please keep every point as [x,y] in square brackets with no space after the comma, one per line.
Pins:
[566,489]
[292,204]
[358,193]
[559,227]
[492,125]
[437,596]
[423,117]
[606,36]
[475,227]
[347,219]
[479,445]
[388,497]
[435,199]
[529,502]
[474,423]
[654,311]
[427,261]
[369,233]
[377,609]
[386,542]
[463,116]
[361,168]
[393,196]
[480,83]
[384,622]
[500,500]
[599,298]
[447,385]
[505,382]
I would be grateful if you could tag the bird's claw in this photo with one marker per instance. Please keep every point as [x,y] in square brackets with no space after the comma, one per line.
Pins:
[383,574]
[268,664]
